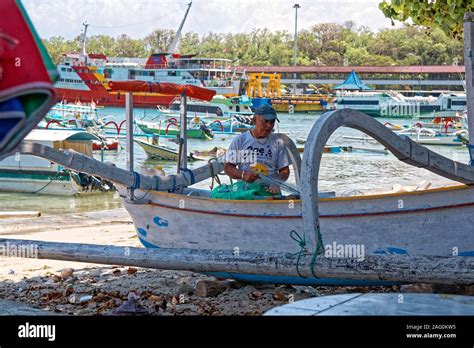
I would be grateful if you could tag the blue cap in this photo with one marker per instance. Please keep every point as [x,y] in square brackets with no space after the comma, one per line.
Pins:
[268,112]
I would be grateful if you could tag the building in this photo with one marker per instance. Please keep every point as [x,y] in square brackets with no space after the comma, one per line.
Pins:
[420,77]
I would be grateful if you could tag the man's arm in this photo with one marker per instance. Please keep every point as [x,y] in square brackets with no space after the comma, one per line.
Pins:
[231,170]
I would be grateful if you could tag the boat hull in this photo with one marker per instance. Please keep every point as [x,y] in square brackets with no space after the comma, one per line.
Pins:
[429,222]
[160,152]
[109,146]
[191,133]
[102,97]
[42,183]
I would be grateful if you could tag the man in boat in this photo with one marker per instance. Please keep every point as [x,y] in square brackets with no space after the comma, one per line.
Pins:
[257,155]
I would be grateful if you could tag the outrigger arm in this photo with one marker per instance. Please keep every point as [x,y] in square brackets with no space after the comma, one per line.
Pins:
[82,163]
[402,147]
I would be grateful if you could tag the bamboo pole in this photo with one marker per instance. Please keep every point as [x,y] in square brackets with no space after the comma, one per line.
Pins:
[452,270]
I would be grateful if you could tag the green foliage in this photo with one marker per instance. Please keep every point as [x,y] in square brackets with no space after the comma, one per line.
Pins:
[448,15]
[322,44]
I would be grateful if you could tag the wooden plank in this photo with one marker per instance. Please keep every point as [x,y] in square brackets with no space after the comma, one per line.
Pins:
[400,268]
[211,288]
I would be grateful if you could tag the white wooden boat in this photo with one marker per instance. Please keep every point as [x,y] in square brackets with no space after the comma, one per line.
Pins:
[172,214]
[375,223]
[429,136]
[32,174]
[414,223]
[161,152]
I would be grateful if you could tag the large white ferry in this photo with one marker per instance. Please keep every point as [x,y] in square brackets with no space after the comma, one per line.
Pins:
[392,104]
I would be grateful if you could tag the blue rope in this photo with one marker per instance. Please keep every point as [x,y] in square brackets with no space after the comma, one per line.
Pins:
[174,184]
[136,181]
[470,147]
[191,175]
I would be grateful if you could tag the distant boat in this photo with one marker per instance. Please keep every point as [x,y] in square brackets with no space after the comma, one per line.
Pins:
[172,129]
[154,150]
[429,136]
[106,144]
[391,104]
[31,174]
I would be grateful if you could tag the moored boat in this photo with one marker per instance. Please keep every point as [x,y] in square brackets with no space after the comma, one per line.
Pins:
[31,174]
[172,129]
[412,223]
[157,151]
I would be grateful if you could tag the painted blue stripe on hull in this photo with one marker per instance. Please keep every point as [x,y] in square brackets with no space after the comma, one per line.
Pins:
[267,279]
[147,244]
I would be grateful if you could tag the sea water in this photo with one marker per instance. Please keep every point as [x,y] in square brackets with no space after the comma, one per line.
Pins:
[343,173]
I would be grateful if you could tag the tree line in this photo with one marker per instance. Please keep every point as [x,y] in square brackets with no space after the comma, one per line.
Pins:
[324,44]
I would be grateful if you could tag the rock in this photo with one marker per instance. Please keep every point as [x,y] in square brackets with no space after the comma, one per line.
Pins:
[256,295]
[69,289]
[11,271]
[56,278]
[101,297]
[131,307]
[66,273]
[132,270]
[116,272]
[302,289]
[210,288]
[186,289]
[155,298]
[279,296]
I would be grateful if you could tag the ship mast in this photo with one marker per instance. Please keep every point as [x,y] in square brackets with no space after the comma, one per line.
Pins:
[86,25]
[178,33]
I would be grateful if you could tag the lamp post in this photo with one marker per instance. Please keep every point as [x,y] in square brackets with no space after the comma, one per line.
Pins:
[296,7]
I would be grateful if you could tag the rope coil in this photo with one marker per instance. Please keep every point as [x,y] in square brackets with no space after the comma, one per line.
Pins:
[302,244]
[136,181]
[191,175]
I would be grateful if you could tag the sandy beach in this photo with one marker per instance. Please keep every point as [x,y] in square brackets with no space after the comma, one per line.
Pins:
[47,287]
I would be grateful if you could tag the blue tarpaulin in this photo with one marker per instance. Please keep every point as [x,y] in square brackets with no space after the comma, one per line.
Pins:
[353,82]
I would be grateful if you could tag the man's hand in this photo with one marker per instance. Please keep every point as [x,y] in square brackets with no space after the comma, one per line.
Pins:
[249,176]
[284,173]
[273,189]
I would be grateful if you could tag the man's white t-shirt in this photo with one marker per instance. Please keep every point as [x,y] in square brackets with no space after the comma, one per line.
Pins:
[266,156]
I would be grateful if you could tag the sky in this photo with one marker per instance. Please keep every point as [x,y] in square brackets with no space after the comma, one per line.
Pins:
[138,18]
